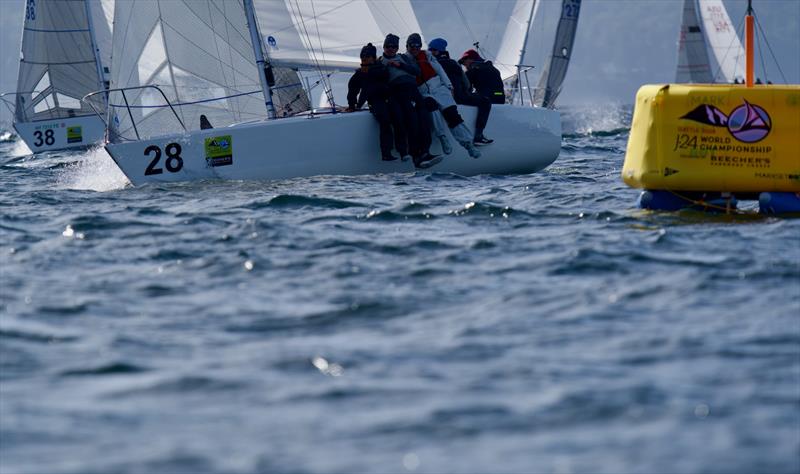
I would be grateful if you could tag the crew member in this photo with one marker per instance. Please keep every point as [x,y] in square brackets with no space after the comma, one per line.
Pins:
[405,100]
[461,88]
[370,83]
[484,77]
[435,85]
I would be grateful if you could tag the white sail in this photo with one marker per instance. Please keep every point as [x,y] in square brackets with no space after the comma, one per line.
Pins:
[329,34]
[395,16]
[512,47]
[723,42]
[198,52]
[58,63]
[693,62]
[102,25]
[555,69]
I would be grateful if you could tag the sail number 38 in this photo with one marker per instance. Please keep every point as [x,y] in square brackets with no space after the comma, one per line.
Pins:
[173,163]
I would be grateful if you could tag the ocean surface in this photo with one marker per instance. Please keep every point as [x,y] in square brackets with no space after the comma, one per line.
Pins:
[400,323]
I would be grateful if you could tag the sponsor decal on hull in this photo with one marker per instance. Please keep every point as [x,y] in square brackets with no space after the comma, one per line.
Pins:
[75,134]
[219,150]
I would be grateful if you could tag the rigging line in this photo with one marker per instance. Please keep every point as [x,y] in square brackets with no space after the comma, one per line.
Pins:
[124,36]
[727,50]
[303,31]
[400,15]
[761,56]
[219,56]
[319,35]
[169,60]
[764,35]
[311,48]
[464,21]
[180,104]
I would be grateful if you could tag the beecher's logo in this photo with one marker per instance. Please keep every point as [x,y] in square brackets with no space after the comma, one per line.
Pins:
[748,123]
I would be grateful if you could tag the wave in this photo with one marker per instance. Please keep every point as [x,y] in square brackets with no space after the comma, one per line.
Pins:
[597,120]
[7,136]
[94,170]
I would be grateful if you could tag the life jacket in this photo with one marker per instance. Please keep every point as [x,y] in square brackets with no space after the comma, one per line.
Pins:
[426,70]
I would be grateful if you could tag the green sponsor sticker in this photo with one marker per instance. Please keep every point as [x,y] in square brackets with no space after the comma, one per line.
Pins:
[219,150]
[75,134]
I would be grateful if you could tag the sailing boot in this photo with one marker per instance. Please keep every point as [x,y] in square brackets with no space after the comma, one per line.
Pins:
[426,161]
[480,140]
[447,148]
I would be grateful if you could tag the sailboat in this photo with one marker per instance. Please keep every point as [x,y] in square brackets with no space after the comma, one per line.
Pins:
[65,54]
[709,50]
[193,81]
[708,146]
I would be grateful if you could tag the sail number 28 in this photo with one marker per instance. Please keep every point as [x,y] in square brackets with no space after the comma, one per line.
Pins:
[173,163]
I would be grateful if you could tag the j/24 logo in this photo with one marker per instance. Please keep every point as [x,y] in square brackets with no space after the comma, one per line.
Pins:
[747,123]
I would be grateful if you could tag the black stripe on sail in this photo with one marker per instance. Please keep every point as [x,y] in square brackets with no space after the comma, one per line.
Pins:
[694,29]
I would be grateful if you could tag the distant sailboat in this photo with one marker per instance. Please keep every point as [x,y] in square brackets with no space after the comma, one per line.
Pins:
[207,58]
[510,59]
[65,54]
[709,50]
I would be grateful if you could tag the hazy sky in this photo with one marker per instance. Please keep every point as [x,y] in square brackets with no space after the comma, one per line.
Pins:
[620,45]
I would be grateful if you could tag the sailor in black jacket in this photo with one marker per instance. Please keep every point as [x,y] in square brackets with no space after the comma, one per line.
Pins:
[461,89]
[370,83]
[484,77]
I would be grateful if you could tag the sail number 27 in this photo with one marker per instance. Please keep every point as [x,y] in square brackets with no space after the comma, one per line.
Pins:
[173,163]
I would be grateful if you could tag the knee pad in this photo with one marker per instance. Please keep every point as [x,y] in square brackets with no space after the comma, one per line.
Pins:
[452,117]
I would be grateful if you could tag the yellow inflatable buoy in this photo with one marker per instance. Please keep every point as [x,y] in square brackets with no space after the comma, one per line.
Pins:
[722,138]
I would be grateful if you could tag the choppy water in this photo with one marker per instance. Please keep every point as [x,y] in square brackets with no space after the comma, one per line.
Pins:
[398,323]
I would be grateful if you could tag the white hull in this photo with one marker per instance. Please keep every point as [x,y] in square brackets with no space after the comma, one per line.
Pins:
[61,134]
[526,140]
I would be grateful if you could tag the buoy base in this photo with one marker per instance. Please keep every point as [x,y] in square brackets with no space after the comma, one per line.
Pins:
[779,203]
[659,200]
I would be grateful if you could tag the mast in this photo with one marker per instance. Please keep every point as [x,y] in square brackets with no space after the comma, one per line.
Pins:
[97,59]
[749,45]
[522,52]
[255,38]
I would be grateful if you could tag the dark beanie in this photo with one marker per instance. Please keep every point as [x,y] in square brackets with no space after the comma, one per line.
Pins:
[414,38]
[391,40]
[369,51]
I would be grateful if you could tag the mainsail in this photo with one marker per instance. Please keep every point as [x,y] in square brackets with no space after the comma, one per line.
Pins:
[555,70]
[328,34]
[60,62]
[693,62]
[200,55]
